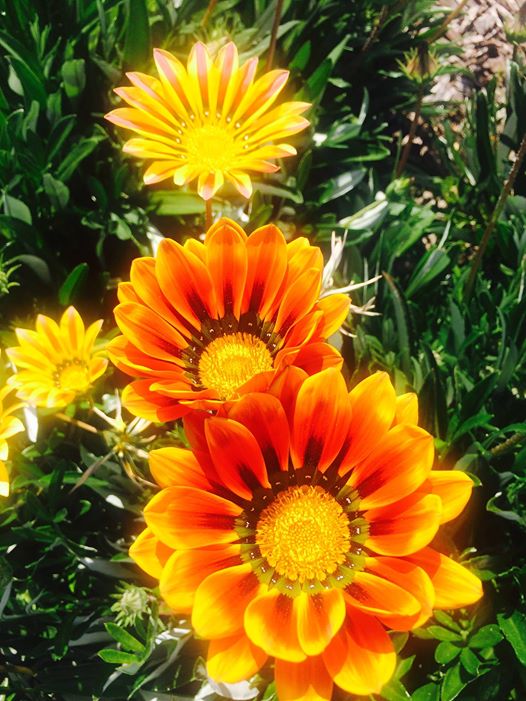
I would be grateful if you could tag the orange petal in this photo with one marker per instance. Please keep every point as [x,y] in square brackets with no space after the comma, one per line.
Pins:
[177,467]
[185,517]
[312,357]
[321,420]
[399,464]
[455,586]
[140,401]
[298,300]
[185,282]
[406,409]
[454,489]
[285,385]
[134,362]
[303,681]
[148,331]
[404,527]
[380,597]
[150,553]
[221,601]
[236,455]
[271,622]
[186,569]
[227,264]
[335,309]
[320,616]
[264,417]
[411,578]
[360,658]
[234,659]
[266,251]
[373,406]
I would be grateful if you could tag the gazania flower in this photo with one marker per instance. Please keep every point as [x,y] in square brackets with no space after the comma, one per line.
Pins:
[298,528]
[199,321]
[210,120]
[56,363]
[9,426]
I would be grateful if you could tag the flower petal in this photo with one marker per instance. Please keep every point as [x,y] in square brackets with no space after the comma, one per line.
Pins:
[266,251]
[399,464]
[271,622]
[321,420]
[177,467]
[234,659]
[406,409]
[227,263]
[185,517]
[150,553]
[149,332]
[455,586]
[222,599]
[4,480]
[264,417]
[454,489]
[303,681]
[335,309]
[186,569]
[360,658]
[380,597]
[236,455]
[404,527]
[320,616]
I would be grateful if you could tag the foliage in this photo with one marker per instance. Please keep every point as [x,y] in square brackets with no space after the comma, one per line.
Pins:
[78,621]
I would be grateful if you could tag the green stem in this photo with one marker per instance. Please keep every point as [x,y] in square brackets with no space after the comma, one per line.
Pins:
[274,34]
[492,222]
[209,10]
[507,444]
[412,131]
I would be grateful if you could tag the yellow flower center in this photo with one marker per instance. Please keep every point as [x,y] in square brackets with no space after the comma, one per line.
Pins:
[230,361]
[72,375]
[210,148]
[304,533]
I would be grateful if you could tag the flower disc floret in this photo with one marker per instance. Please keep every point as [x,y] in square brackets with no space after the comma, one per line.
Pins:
[298,527]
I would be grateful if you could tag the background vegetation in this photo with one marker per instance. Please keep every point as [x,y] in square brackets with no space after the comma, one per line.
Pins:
[78,621]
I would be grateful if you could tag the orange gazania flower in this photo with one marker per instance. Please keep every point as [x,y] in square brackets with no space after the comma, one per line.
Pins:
[9,426]
[56,363]
[298,527]
[209,121]
[201,320]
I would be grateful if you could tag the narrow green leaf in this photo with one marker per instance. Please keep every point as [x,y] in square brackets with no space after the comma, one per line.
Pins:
[128,641]
[113,656]
[137,39]
[72,284]
[440,633]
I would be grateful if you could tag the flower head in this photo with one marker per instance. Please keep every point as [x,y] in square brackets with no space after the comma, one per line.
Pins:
[200,321]
[211,120]
[298,527]
[56,363]
[9,426]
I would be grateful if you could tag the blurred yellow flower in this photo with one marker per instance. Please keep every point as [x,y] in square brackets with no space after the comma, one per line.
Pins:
[56,363]
[210,120]
[9,426]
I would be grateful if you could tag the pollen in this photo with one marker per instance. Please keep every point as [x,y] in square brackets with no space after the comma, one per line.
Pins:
[304,534]
[210,148]
[230,361]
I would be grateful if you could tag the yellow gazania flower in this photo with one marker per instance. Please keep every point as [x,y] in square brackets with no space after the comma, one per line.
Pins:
[210,120]
[9,426]
[56,363]
[298,527]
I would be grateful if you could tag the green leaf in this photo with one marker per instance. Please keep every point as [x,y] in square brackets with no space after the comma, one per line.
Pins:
[452,684]
[124,638]
[342,184]
[430,266]
[440,633]
[74,77]
[394,690]
[109,654]
[77,154]
[470,661]
[17,209]
[168,203]
[72,284]
[57,192]
[446,652]
[488,636]
[428,692]
[137,39]
[514,629]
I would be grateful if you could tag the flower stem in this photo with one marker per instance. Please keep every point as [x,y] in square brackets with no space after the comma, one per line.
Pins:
[79,424]
[274,34]
[509,443]
[209,10]
[492,222]
[412,131]
[208,214]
